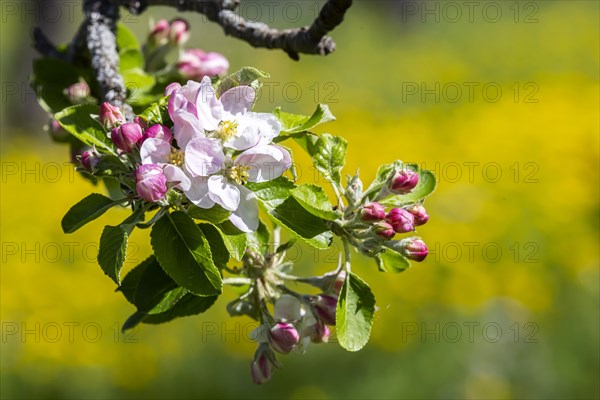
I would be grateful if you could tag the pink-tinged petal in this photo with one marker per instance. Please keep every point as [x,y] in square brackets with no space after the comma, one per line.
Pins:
[245,138]
[265,162]
[223,193]
[177,176]
[172,87]
[245,218]
[238,100]
[198,193]
[209,108]
[203,157]
[267,124]
[190,91]
[186,128]
[155,151]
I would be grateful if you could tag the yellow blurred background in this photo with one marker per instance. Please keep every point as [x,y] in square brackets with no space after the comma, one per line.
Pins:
[500,99]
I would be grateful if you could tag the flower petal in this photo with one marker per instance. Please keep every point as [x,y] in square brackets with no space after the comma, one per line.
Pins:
[268,125]
[223,193]
[155,151]
[198,192]
[238,100]
[266,162]
[186,128]
[245,218]
[203,157]
[209,108]
[176,175]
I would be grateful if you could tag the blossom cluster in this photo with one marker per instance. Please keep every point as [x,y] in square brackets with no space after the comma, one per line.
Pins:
[215,146]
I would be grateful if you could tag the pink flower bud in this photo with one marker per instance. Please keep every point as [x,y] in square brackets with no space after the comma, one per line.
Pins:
[159,33]
[404,181]
[283,337]
[319,332]
[126,136]
[88,160]
[110,116]
[196,64]
[78,92]
[420,215]
[179,32]
[414,249]
[158,132]
[172,87]
[401,220]
[372,212]
[262,365]
[151,183]
[384,229]
[325,306]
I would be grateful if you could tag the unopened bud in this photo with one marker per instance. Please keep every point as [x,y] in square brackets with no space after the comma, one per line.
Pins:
[372,212]
[283,337]
[384,229]
[196,64]
[404,181]
[126,136]
[110,116]
[325,307]
[414,249]
[262,365]
[401,220]
[179,32]
[420,215]
[151,183]
[319,332]
[78,92]
[159,33]
[88,160]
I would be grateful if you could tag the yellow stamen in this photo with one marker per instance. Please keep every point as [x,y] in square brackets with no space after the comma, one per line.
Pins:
[227,130]
[176,157]
[238,173]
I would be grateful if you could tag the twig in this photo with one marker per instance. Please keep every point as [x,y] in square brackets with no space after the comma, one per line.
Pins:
[305,40]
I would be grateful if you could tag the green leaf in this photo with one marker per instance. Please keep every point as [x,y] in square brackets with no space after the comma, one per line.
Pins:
[151,290]
[219,251]
[246,76]
[354,313]
[156,113]
[302,224]
[216,214]
[272,193]
[275,197]
[424,188]
[112,252]
[392,261]
[236,244]
[88,209]
[137,83]
[259,240]
[126,40]
[77,121]
[51,77]
[184,254]
[113,245]
[314,200]
[188,305]
[130,59]
[330,156]
[294,123]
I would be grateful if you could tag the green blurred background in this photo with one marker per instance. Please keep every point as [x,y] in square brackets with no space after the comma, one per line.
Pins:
[505,306]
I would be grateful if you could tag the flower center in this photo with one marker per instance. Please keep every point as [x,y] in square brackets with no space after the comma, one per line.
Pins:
[176,157]
[227,130]
[238,173]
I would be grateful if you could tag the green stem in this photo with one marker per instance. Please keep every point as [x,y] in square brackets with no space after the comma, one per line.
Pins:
[346,255]
[237,281]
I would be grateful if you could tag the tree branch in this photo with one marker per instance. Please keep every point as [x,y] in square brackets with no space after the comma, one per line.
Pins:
[100,24]
[304,40]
